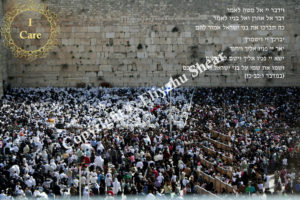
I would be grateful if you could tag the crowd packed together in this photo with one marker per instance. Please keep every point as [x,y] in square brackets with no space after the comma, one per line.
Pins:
[56,142]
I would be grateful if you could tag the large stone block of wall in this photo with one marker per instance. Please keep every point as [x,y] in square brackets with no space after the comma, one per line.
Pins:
[143,43]
[1,81]
[1,84]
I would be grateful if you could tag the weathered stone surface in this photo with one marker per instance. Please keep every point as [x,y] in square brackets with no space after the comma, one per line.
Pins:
[103,40]
[3,62]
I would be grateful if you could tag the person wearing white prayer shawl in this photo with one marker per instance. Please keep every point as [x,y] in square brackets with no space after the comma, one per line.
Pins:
[63,175]
[100,146]
[85,191]
[53,164]
[147,140]
[158,157]
[139,165]
[93,178]
[116,186]
[267,182]
[160,146]
[75,181]
[160,178]
[37,194]
[44,155]
[14,170]
[185,181]
[99,162]
[3,195]
[260,186]
[131,149]
[284,162]
[28,181]
[181,165]
[108,180]
[19,191]
[15,149]
[174,178]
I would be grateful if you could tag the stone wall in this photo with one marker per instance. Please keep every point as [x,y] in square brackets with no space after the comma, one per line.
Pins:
[143,42]
[2,58]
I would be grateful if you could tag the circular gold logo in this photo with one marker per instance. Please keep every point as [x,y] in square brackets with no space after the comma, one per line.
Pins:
[21,52]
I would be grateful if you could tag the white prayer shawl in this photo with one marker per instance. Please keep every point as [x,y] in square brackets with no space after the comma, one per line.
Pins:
[99,161]
[116,186]
[14,170]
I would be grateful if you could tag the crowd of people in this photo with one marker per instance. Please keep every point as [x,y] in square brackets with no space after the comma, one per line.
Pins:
[54,143]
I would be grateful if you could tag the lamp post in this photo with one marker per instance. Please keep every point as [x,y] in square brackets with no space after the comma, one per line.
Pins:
[79,182]
[170,114]
[88,181]
[189,106]
[168,89]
